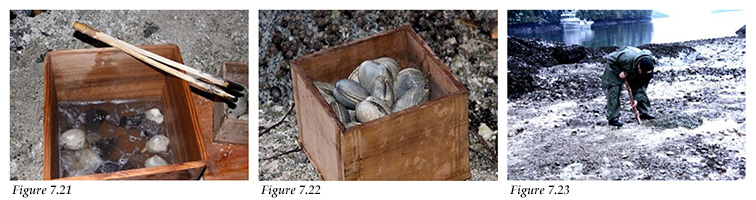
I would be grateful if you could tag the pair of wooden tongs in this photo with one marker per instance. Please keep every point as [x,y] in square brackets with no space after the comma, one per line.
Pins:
[210,83]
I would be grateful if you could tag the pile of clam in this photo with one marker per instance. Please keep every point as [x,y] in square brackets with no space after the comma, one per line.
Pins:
[375,89]
[82,150]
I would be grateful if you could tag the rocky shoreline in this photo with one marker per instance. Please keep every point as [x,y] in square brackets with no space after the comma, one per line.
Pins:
[557,129]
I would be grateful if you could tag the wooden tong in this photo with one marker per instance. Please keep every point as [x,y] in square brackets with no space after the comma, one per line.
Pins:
[210,83]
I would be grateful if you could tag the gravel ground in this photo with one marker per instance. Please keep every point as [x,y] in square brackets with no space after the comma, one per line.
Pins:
[470,53]
[558,130]
[206,39]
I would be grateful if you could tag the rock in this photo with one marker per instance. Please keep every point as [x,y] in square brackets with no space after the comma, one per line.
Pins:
[569,54]
[108,167]
[742,31]
[73,139]
[155,161]
[106,146]
[94,119]
[485,131]
[130,122]
[668,49]
[157,144]
[154,115]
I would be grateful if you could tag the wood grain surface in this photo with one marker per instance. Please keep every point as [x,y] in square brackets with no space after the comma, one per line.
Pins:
[108,74]
[425,142]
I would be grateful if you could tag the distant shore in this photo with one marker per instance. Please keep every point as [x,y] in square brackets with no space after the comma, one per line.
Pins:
[540,28]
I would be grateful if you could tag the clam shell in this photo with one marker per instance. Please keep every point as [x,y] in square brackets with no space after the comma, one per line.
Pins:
[371,108]
[157,144]
[154,115]
[383,89]
[408,79]
[155,161]
[341,112]
[326,90]
[73,139]
[88,162]
[413,97]
[352,124]
[349,93]
[391,64]
[355,74]
[369,71]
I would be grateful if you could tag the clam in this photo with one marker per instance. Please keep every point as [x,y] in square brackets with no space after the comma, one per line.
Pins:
[383,90]
[158,143]
[154,115]
[73,139]
[354,75]
[370,70]
[390,64]
[412,97]
[349,93]
[341,112]
[352,116]
[155,161]
[326,90]
[352,124]
[408,79]
[87,161]
[371,108]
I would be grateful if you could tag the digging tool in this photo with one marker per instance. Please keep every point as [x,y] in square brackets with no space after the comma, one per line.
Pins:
[632,102]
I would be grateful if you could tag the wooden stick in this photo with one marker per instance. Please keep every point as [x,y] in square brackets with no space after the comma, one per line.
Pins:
[189,70]
[83,28]
[632,102]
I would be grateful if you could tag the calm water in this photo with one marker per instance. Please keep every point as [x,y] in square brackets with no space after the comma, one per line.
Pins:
[676,28]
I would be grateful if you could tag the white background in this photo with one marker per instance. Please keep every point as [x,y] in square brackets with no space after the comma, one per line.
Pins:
[366,190]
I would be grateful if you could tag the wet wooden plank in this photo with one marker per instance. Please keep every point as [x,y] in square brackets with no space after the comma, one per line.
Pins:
[225,161]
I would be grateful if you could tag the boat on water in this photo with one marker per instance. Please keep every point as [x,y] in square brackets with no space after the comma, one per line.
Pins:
[570,21]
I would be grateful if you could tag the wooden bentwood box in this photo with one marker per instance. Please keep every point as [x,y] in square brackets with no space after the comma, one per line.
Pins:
[425,142]
[109,74]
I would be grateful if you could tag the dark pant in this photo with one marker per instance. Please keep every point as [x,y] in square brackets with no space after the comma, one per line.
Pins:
[613,99]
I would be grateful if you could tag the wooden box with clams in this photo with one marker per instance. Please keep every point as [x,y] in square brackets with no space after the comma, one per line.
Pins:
[425,140]
[109,116]
[231,125]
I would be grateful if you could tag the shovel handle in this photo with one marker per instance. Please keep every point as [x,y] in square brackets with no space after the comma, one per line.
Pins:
[632,102]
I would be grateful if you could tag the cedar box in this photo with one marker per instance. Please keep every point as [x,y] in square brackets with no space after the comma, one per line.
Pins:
[230,130]
[425,142]
[109,74]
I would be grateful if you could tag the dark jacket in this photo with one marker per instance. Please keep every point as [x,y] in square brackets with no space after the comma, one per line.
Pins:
[625,59]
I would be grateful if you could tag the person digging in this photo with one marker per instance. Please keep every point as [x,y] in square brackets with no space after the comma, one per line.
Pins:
[631,67]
